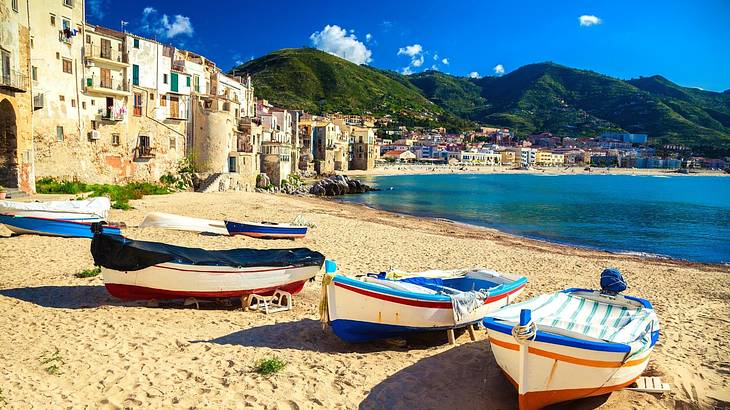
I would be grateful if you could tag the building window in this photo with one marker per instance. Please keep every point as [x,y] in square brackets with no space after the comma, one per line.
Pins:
[61,98]
[66,24]
[138,104]
[73,103]
[93,102]
[53,20]
[67,68]
[88,39]
[231,164]
[135,43]
[173,143]
[164,78]
[196,83]
[59,133]
[115,139]
[34,73]
[32,42]
[135,74]
[68,3]
[163,101]
[187,81]
[58,55]
[83,105]
[14,3]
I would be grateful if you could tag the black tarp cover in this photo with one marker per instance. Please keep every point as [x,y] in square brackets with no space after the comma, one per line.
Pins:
[119,253]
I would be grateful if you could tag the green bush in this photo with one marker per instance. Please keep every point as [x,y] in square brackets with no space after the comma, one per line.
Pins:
[118,194]
[267,367]
[88,273]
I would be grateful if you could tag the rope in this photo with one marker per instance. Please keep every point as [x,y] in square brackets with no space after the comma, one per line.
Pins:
[525,333]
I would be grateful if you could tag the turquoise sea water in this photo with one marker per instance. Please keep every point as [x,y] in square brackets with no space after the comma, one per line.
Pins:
[682,217]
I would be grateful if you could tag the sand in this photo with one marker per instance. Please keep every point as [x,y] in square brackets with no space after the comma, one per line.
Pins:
[116,354]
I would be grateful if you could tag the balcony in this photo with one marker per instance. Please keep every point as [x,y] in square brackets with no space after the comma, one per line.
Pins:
[110,115]
[14,81]
[106,56]
[144,152]
[107,86]
[178,65]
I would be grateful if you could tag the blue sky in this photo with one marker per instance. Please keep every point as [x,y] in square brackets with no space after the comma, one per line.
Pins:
[685,41]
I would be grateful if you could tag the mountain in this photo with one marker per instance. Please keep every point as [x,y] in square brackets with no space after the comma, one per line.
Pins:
[319,82]
[533,98]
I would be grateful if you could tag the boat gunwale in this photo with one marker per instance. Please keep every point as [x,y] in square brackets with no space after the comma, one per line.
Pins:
[546,336]
[504,289]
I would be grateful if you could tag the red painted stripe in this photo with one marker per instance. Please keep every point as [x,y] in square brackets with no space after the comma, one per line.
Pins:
[417,302]
[226,272]
[133,292]
[267,235]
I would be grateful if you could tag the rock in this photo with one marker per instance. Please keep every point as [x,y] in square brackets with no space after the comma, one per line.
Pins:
[263,181]
[338,185]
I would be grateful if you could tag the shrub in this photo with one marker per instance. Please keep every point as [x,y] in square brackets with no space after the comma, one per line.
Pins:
[267,367]
[118,194]
[88,273]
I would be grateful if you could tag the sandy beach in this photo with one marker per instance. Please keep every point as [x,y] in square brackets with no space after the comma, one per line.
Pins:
[417,169]
[115,354]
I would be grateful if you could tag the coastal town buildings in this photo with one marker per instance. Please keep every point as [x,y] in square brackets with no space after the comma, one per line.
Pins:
[17,171]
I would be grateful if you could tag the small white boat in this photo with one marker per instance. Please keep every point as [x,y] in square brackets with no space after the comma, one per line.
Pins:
[365,308]
[183,223]
[88,210]
[572,344]
[139,270]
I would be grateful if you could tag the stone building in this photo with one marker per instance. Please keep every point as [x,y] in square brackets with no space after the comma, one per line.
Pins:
[102,100]
[364,149]
[323,146]
[16,101]
[276,142]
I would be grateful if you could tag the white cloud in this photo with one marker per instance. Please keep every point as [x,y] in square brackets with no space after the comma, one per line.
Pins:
[163,26]
[416,53]
[435,68]
[436,56]
[411,51]
[335,40]
[499,69]
[445,61]
[368,37]
[589,20]
[95,8]
[474,74]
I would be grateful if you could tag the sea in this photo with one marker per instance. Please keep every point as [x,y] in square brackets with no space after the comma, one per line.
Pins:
[679,217]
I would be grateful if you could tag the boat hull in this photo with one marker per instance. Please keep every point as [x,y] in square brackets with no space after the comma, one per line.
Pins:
[174,281]
[266,231]
[559,373]
[53,227]
[358,313]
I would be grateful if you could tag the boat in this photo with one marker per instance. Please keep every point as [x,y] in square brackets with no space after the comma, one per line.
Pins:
[138,270]
[55,218]
[266,230]
[371,307]
[183,223]
[572,344]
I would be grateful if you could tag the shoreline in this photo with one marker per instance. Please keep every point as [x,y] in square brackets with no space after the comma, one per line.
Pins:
[498,233]
[417,169]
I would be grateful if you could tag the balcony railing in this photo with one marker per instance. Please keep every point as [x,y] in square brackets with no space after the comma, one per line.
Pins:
[107,83]
[106,53]
[14,80]
[111,115]
[144,152]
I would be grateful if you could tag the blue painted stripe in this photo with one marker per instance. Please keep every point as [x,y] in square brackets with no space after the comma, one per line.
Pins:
[54,227]
[545,337]
[499,290]
[355,331]
[237,227]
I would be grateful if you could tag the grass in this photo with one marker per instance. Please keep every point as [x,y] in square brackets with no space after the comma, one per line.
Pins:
[88,273]
[267,367]
[53,363]
[118,194]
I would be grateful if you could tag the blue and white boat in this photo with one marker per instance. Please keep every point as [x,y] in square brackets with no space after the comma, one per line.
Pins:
[266,230]
[55,218]
[572,344]
[366,308]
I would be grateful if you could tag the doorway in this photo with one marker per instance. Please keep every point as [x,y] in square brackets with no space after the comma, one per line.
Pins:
[8,146]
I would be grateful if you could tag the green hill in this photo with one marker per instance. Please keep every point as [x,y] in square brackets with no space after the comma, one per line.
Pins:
[319,82]
[536,97]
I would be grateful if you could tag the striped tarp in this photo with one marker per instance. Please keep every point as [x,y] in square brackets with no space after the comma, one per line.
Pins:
[598,320]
